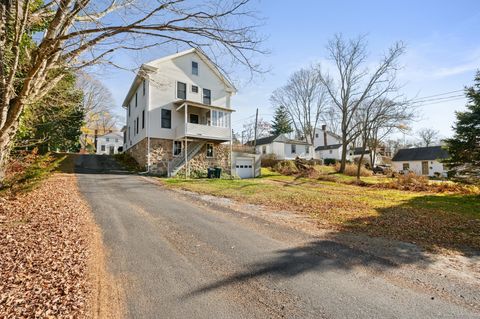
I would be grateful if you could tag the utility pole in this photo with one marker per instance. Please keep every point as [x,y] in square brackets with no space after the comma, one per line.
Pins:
[255,133]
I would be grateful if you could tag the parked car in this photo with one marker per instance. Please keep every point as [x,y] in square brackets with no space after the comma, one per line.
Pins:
[381,169]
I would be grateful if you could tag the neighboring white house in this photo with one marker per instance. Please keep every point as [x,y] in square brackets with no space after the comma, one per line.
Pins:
[327,144]
[178,115]
[283,148]
[421,160]
[355,154]
[109,143]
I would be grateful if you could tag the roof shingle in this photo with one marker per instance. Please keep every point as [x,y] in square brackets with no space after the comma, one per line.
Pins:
[420,154]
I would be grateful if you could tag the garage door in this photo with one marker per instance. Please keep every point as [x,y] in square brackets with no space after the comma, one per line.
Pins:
[244,167]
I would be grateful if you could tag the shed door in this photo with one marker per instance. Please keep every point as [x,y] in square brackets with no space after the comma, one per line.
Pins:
[425,168]
[244,167]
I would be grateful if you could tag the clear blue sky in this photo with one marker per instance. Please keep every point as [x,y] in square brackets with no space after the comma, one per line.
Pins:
[442,38]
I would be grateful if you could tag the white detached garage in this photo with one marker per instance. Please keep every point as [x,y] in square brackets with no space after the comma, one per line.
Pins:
[246,165]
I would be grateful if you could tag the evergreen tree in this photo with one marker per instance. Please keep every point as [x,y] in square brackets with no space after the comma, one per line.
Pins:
[55,122]
[281,122]
[464,147]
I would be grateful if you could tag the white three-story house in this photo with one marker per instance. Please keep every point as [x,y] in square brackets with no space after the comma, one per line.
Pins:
[179,115]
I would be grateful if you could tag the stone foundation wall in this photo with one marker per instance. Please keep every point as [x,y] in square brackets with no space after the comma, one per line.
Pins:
[199,164]
[161,152]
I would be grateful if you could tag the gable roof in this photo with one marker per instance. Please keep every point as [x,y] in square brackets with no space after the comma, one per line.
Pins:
[328,147]
[264,140]
[150,66]
[202,57]
[359,151]
[334,135]
[277,138]
[111,134]
[420,154]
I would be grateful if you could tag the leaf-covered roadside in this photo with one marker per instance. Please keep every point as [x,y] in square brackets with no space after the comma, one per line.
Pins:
[44,252]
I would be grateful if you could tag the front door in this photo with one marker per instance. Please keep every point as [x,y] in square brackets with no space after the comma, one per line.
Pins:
[194,118]
[111,150]
[425,168]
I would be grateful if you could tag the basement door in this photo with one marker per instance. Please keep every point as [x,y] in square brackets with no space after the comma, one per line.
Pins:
[244,167]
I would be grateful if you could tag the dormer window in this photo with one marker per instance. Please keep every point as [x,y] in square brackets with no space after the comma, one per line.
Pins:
[194,68]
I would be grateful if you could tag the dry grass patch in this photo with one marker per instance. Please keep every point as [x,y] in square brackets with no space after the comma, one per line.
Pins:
[436,221]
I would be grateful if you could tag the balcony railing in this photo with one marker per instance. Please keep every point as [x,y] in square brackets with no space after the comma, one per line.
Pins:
[203,131]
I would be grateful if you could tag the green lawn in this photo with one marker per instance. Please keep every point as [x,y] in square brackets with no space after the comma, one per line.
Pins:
[437,221]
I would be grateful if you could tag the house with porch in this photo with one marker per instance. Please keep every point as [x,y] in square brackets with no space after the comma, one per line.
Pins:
[178,112]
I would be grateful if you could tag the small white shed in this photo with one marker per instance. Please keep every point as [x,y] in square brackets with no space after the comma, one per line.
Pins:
[421,160]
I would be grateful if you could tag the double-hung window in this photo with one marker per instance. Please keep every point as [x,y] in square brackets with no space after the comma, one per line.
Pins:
[293,148]
[137,124]
[143,119]
[166,118]
[207,96]
[136,100]
[181,90]
[307,149]
[194,68]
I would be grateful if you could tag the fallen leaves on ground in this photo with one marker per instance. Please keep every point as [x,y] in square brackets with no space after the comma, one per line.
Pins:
[44,252]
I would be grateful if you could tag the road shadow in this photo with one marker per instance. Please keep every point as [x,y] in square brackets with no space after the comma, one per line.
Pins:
[315,256]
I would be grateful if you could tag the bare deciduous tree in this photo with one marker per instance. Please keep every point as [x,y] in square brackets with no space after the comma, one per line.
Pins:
[428,136]
[353,83]
[100,116]
[263,130]
[304,98]
[40,39]
[375,120]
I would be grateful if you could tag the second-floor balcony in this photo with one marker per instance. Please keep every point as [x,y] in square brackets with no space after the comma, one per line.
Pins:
[203,121]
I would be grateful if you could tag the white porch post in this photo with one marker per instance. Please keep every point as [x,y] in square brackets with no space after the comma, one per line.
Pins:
[186,149]
[231,142]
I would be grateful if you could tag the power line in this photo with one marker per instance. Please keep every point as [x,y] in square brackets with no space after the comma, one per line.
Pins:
[439,94]
[439,98]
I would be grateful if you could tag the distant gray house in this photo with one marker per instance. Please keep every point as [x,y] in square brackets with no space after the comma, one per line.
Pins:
[421,160]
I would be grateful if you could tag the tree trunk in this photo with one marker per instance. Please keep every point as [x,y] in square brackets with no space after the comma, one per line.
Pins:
[343,160]
[4,153]
[359,166]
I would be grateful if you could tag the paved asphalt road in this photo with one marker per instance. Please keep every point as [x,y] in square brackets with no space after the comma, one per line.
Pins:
[181,259]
